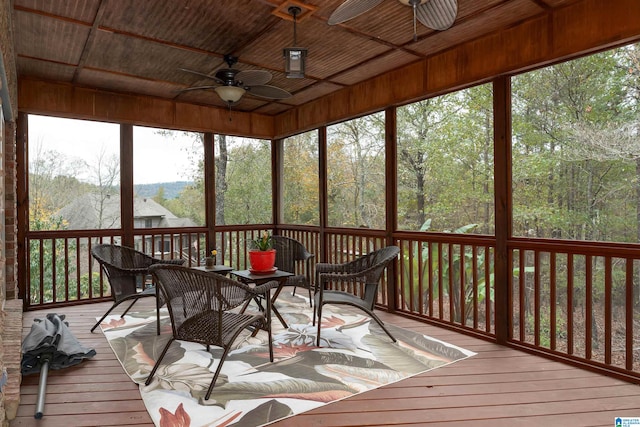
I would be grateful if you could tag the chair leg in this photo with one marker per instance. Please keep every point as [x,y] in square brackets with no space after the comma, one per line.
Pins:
[319,307]
[313,318]
[267,322]
[215,376]
[381,323]
[158,316]
[105,315]
[157,364]
[129,308]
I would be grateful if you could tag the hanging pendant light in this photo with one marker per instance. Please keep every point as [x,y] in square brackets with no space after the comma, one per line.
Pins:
[294,57]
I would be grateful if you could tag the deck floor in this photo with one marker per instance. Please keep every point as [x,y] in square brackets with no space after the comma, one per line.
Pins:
[497,387]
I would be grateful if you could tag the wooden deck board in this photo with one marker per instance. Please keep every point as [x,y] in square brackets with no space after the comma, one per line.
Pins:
[500,386]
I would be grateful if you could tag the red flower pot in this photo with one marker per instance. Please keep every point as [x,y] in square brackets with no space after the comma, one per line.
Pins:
[262,260]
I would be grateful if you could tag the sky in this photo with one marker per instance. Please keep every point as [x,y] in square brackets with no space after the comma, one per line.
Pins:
[156,157]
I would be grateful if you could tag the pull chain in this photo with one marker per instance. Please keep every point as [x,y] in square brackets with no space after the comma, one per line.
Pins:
[414,4]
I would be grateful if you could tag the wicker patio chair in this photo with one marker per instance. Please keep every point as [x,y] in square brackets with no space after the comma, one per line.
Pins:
[343,284]
[199,304]
[293,257]
[125,268]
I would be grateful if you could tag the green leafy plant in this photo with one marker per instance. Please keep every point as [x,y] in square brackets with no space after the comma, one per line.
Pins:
[263,243]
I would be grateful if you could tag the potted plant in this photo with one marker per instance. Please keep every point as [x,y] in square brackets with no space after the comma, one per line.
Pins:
[262,256]
[210,261]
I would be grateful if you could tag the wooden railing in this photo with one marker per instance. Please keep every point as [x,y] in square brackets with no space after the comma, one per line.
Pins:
[61,270]
[447,279]
[579,301]
[575,301]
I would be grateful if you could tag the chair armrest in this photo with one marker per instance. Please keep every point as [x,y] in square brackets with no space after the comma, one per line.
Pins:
[264,288]
[128,271]
[326,277]
[167,261]
[325,267]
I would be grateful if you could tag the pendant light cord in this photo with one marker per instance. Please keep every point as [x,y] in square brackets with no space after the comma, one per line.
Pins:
[294,10]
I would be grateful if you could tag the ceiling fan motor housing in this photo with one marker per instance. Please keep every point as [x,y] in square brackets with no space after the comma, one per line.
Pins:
[227,77]
[412,2]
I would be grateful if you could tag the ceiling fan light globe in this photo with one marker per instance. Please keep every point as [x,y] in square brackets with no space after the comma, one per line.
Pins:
[229,94]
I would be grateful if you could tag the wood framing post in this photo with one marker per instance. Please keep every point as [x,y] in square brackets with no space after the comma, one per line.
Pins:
[391,191]
[210,190]
[126,184]
[277,181]
[21,222]
[322,196]
[503,206]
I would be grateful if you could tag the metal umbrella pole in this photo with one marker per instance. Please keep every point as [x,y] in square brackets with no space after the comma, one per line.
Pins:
[45,359]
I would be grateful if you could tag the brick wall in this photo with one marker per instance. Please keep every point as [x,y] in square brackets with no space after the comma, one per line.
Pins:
[11,307]
[10,234]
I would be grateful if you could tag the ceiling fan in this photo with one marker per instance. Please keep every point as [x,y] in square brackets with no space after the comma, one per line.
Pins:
[435,14]
[232,84]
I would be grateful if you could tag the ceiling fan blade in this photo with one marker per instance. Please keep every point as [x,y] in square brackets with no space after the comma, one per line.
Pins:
[253,77]
[350,9]
[197,88]
[269,92]
[198,73]
[437,14]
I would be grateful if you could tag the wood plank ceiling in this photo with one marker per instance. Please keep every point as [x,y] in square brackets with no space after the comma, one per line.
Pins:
[138,47]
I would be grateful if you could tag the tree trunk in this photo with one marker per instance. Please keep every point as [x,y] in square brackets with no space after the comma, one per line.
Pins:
[420,201]
[221,177]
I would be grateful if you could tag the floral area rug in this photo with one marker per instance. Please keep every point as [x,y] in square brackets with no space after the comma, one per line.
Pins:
[356,356]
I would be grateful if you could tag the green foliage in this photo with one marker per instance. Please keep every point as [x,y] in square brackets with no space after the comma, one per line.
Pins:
[445,161]
[448,265]
[247,197]
[47,266]
[301,179]
[88,281]
[574,162]
[263,243]
[355,173]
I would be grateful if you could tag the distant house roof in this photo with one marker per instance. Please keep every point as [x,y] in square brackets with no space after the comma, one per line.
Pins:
[144,207]
[96,211]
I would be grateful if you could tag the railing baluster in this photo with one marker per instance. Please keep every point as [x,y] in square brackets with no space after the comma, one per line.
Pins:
[629,304]
[488,312]
[608,286]
[588,306]
[536,298]
[570,307]
[416,259]
[552,301]
[474,284]
[77,257]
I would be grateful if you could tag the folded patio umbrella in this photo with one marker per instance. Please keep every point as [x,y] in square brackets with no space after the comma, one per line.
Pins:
[50,345]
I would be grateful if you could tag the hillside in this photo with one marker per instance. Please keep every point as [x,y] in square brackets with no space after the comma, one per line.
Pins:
[171,189]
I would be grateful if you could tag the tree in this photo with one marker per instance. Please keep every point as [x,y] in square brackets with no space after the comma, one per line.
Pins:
[221,161]
[105,173]
[356,172]
[301,205]
[248,181]
[550,105]
[52,183]
[445,161]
